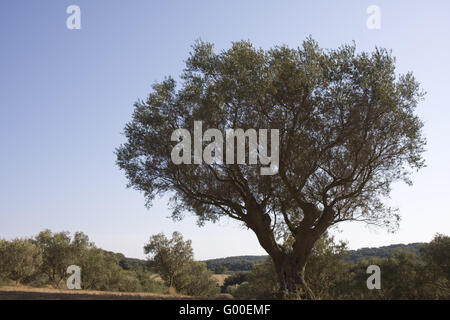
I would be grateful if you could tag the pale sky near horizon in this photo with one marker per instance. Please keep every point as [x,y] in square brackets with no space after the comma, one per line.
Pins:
[67,94]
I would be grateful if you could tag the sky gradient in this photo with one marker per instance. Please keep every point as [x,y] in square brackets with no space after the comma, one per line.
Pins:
[67,94]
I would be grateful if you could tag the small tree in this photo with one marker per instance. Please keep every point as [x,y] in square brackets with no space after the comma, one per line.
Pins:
[436,256]
[3,261]
[173,259]
[196,280]
[96,269]
[170,257]
[20,258]
[59,252]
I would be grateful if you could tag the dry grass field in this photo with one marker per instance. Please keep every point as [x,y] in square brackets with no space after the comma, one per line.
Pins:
[27,293]
[220,278]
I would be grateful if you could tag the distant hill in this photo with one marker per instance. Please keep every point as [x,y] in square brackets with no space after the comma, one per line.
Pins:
[237,263]
[245,263]
[126,263]
[381,252]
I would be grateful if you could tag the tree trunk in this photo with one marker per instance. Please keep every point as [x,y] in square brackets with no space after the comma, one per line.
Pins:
[289,265]
[291,277]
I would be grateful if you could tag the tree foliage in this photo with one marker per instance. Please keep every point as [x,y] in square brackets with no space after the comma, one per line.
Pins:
[196,280]
[234,280]
[436,256]
[169,256]
[173,260]
[19,259]
[61,251]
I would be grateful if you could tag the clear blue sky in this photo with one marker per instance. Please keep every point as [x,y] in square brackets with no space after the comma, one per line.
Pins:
[65,96]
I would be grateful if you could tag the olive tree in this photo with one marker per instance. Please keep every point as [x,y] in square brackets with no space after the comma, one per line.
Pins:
[60,251]
[347,131]
[436,256]
[169,257]
[173,259]
[196,280]
[20,258]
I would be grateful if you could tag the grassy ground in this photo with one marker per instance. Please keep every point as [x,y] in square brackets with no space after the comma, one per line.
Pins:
[9,292]
[27,293]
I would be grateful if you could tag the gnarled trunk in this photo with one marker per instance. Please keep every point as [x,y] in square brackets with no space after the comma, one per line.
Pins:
[289,265]
[291,277]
